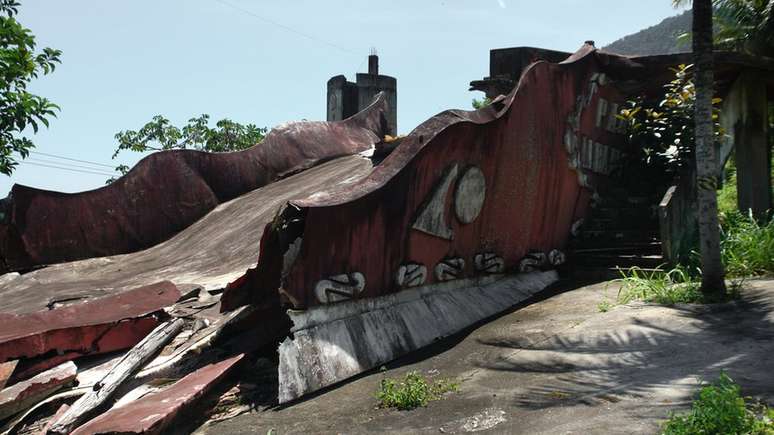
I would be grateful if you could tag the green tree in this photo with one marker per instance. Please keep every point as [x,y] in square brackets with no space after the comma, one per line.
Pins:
[663,130]
[159,134]
[745,25]
[741,25]
[478,104]
[19,64]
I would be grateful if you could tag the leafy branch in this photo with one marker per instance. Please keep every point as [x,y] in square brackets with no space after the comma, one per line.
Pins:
[159,135]
[19,64]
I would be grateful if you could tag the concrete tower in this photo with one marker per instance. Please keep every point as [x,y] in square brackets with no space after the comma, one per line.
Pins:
[346,98]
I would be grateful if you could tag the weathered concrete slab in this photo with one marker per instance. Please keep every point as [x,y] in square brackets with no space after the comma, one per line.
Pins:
[333,343]
[152,413]
[88,404]
[24,394]
[96,326]
[558,366]
[215,250]
[6,370]
[59,412]
[168,191]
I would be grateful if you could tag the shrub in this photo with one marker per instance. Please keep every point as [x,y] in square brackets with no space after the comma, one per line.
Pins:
[414,391]
[720,409]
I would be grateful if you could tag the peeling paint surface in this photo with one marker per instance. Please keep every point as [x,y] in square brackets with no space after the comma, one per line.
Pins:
[155,412]
[19,396]
[167,191]
[97,326]
[212,252]
[500,180]
[333,343]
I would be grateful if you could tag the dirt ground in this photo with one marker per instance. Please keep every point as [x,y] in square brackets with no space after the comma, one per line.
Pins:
[556,365]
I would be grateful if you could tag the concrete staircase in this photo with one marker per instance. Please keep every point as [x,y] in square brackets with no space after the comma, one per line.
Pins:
[621,232]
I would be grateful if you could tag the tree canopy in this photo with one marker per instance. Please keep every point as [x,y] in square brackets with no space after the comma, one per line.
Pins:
[742,25]
[19,109]
[159,134]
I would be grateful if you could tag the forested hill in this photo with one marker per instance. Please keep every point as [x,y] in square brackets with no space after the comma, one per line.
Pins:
[658,39]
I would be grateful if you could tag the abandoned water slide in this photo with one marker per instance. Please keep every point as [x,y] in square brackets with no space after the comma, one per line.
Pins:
[349,263]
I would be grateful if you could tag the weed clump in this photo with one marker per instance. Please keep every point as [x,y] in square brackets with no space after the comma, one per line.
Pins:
[412,392]
[666,287]
[720,409]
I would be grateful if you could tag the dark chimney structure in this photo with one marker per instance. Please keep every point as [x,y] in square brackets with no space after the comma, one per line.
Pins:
[346,98]
[373,65]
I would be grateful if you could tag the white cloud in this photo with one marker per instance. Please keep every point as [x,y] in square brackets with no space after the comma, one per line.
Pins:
[502,3]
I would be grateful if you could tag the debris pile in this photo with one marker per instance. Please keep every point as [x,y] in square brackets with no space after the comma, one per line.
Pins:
[128,363]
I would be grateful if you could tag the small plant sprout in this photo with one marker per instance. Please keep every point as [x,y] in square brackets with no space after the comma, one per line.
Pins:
[412,392]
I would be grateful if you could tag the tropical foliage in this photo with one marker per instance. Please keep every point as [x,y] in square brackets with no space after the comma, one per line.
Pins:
[159,134]
[663,130]
[741,25]
[745,25]
[19,109]
[478,104]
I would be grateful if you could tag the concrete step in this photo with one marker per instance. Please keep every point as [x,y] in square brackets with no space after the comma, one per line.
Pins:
[621,236]
[645,248]
[624,201]
[610,224]
[622,261]
[639,214]
[598,274]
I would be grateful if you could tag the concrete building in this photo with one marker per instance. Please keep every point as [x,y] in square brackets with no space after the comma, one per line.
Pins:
[346,98]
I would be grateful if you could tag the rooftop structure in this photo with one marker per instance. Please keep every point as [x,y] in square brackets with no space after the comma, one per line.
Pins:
[346,98]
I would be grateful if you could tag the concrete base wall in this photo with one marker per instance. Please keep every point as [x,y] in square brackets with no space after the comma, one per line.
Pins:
[335,342]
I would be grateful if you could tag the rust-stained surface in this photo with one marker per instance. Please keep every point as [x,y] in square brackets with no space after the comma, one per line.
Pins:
[6,370]
[536,147]
[22,394]
[212,252]
[154,413]
[166,192]
[45,338]
[467,194]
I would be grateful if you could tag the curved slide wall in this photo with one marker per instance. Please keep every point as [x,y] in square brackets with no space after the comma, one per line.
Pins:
[467,193]
[460,222]
[168,191]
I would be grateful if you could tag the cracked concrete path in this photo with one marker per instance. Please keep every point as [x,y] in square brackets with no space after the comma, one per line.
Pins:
[557,366]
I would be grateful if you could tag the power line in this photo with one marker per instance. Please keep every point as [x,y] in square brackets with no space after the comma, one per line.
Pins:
[289,29]
[67,169]
[65,164]
[71,159]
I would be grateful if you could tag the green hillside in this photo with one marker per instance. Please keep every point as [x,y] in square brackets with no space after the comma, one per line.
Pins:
[658,39]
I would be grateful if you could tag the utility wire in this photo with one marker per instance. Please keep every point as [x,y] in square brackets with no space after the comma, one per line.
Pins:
[67,169]
[289,29]
[65,164]
[71,159]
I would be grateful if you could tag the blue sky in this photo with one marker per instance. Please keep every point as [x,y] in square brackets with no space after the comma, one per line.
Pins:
[126,61]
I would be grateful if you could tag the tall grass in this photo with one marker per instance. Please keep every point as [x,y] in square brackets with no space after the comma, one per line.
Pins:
[666,287]
[747,246]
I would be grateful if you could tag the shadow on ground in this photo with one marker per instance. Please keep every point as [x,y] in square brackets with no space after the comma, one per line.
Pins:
[652,351]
